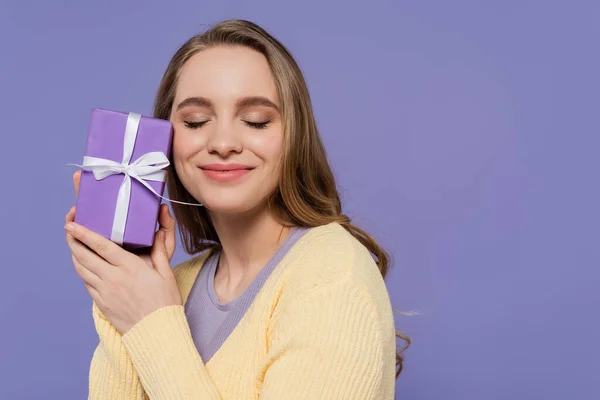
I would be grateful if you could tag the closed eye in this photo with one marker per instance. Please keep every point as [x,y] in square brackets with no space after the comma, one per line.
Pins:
[257,125]
[194,125]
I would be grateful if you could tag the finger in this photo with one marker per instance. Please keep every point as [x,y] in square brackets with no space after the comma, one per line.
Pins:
[76,181]
[88,259]
[167,225]
[89,278]
[106,249]
[94,294]
[70,215]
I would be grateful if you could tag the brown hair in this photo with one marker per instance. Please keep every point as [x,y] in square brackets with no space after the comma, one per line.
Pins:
[306,194]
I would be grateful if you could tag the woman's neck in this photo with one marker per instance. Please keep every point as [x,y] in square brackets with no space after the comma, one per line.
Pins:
[248,240]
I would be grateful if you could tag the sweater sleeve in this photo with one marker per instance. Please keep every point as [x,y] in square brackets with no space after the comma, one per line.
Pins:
[329,344]
[112,374]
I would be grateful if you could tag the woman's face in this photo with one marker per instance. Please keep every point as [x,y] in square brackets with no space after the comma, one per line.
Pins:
[228,131]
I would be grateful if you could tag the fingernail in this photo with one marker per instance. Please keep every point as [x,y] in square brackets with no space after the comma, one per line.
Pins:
[69,227]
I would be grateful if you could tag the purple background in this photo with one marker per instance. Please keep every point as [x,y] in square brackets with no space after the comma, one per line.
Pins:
[464,135]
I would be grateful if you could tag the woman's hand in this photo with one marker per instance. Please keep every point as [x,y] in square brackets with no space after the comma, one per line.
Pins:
[126,287]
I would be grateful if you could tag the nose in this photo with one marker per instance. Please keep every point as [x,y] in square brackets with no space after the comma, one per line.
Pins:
[224,140]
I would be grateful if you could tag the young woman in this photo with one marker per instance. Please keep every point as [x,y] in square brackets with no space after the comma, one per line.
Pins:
[288,301]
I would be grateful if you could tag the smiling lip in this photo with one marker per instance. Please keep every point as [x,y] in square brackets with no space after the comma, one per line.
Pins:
[225,172]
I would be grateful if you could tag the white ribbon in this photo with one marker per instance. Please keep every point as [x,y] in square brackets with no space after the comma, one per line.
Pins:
[149,167]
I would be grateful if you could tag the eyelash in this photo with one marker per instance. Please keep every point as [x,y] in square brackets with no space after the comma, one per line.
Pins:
[258,125]
[255,125]
[194,125]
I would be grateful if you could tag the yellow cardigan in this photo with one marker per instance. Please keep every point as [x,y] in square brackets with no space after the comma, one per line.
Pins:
[321,327]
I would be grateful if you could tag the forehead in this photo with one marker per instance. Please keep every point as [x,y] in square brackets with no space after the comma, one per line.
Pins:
[225,74]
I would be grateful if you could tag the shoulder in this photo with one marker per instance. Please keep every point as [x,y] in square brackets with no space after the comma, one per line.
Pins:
[331,287]
[328,254]
[328,258]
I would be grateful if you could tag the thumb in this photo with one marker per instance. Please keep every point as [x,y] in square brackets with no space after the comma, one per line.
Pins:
[160,257]
[167,225]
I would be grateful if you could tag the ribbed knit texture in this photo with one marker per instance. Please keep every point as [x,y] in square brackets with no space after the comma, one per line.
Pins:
[321,327]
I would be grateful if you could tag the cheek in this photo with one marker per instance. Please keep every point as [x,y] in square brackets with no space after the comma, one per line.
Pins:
[268,147]
[182,151]
[184,146]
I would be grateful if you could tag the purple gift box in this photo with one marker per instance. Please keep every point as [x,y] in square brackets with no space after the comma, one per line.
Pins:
[97,200]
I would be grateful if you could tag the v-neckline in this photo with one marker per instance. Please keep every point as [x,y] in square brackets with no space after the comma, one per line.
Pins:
[245,300]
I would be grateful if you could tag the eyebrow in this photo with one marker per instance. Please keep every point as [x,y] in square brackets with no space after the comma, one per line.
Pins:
[240,103]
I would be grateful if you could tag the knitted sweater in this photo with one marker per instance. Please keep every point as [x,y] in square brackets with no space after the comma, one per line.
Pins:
[321,327]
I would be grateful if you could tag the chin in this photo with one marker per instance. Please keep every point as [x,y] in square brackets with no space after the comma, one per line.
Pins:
[229,205]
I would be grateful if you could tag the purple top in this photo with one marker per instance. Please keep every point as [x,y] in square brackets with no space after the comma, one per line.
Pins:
[211,322]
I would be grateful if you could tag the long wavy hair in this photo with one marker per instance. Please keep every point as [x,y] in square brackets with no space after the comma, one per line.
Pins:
[306,194]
